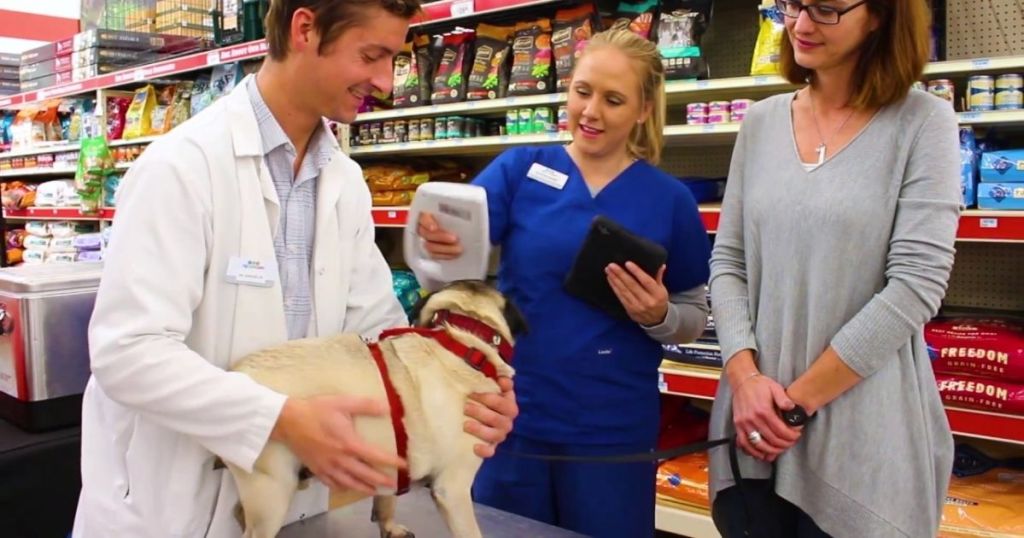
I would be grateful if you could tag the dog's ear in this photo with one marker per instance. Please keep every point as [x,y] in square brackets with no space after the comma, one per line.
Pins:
[514,318]
[414,314]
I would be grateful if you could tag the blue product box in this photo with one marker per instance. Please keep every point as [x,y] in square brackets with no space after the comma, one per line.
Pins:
[1002,166]
[1001,196]
[705,189]
[968,166]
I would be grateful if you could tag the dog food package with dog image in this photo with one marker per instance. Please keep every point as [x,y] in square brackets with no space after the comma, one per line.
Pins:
[992,347]
[450,76]
[987,505]
[488,75]
[983,393]
[531,59]
[637,17]
[572,29]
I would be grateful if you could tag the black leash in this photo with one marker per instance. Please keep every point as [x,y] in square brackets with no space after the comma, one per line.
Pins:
[654,455]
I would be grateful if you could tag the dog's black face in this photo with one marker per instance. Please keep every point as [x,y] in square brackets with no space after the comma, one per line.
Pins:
[513,316]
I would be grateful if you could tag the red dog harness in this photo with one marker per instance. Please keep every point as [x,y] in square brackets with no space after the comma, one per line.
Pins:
[472,356]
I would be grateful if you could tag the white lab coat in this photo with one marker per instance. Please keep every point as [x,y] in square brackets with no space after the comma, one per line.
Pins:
[160,406]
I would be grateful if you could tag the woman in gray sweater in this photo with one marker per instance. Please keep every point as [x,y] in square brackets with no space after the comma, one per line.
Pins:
[834,249]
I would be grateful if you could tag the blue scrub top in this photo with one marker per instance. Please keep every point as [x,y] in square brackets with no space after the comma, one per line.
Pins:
[581,375]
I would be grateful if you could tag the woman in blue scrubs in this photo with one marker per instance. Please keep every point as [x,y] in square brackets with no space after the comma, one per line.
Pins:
[586,381]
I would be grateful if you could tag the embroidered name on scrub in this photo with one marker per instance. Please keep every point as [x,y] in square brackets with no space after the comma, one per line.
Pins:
[547,176]
[251,272]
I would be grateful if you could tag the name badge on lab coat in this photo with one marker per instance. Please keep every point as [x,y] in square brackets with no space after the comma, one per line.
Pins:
[252,272]
[547,176]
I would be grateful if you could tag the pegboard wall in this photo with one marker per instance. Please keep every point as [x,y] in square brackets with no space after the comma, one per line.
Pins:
[729,41]
[984,28]
[988,275]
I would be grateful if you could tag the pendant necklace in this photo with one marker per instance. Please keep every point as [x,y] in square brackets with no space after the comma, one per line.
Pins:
[823,145]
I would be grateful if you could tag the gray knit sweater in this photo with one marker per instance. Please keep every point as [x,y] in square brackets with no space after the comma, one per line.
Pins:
[855,254]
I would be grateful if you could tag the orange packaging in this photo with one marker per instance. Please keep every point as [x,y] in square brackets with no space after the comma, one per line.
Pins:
[685,479]
[989,505]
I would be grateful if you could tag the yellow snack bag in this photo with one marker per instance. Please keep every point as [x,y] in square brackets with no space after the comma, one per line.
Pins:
[766,52]
[139,119]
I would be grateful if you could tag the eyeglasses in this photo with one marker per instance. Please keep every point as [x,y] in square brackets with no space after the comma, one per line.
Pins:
[819,13]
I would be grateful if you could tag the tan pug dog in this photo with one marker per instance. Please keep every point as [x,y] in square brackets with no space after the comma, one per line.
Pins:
[433,384]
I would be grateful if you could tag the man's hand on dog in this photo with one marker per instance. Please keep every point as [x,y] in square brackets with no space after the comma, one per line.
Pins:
[645,298]
[440,243]
[491,417]
[321,432]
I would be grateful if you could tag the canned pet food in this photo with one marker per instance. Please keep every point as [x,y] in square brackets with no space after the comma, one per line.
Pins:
[718,106]
[980,93]
[414,130]
[440,128]
[364,133]
[738,109]
[696,113]
[942,88]
[541,119]
[512,122]
[737,116]
[375,129]
[717,117]
[401,130]
[426,129]
[525,121]
[563,119]
[389,131]
[1009,91]
[455,126]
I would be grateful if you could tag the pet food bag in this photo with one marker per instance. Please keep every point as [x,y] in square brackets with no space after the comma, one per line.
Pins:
[412,74]
[987,505]
[531,59]
[392,177]
[450,76]
[766,51]
[992,347]
[983,393]
[488,75]
[573,27]
[685,480]
[95,163]
[637,17]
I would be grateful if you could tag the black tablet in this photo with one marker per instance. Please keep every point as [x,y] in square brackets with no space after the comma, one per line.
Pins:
[609,242]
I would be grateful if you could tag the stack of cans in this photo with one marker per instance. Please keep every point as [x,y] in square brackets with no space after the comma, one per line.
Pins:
[717,111]
[1008,91]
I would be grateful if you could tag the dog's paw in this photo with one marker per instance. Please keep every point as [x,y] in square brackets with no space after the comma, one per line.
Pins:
[397,531]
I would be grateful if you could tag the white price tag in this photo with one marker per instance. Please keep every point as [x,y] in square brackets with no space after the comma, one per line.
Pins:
[980,63]
[392,214]
[138,75]
[989,223]
[761,80]
[701,84]
[662,384]
[5,102]
[213,58]
[709,128]
[461,8]
[970,116]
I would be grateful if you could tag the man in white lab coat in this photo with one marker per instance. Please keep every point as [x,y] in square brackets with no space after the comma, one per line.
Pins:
[243,228]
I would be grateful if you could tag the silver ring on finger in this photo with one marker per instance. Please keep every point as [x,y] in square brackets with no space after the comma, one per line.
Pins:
[754,437]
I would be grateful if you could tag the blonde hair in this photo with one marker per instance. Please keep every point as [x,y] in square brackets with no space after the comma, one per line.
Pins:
[646,139]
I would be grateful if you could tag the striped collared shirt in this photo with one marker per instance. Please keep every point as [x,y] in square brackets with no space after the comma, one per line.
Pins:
[293,243]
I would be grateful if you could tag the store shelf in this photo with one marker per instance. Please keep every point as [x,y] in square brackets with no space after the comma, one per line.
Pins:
[42,149]
[979,225]
[37,172]
[710,214]
[56,213]
[684,521]
[994,117]
[466,107]
[444,10]
[696,382]
[139,74]
[390,217]
[459,146]
[133,141]
[974,66]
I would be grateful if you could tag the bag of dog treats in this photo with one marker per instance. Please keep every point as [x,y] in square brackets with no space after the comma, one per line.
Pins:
[488,75]
[991,347]
[987,505]
[450,76]
[138,121]
[412,74]
[638,18]
[679,32]
[95,163]
[572,28]
[392,177]
[531,59]
[766,53]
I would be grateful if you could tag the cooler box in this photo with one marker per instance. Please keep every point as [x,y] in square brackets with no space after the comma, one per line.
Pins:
[44,350]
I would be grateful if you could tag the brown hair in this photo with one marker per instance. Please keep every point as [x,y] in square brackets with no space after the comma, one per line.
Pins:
[332,18]
[891,59]
[646,139]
